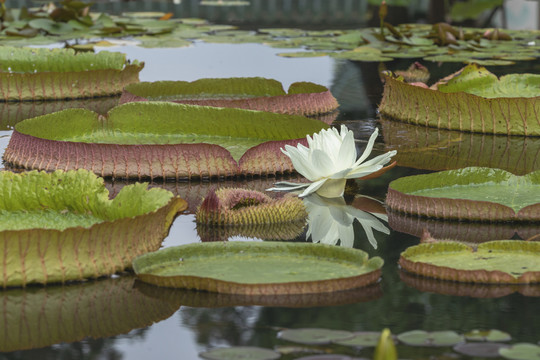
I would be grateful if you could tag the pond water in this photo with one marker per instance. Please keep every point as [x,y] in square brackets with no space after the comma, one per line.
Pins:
[118,318]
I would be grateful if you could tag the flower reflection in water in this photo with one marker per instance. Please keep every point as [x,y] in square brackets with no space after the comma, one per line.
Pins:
[331,219]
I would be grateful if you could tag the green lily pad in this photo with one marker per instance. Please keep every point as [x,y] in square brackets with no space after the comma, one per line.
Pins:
[487,335]
[521,351]
[64,220]
[472,193]
[267,268]
[303,54]
[361,338]
[314,336]
[160,140]
[433,338]
[302,98]
[502,262]
[240,353]
[39,74]
[43,316]
[474,100]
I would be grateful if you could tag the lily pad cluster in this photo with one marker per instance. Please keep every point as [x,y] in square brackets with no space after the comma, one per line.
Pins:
[159,140]
[62,226]
[53,74]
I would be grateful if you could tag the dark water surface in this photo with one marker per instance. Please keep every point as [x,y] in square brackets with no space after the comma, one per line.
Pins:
[119,318]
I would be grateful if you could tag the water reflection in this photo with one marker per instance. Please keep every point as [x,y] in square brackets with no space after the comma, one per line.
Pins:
[36,317]
[433,149]
[475,232]
[331,220]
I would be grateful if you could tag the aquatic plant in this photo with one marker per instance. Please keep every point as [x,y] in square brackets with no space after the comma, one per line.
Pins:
[238,207]
[492,262]
[61,226]
[260,268]
[302,98]
[472,193]
[473,100]
[53,74]
[159,140]
[329,160]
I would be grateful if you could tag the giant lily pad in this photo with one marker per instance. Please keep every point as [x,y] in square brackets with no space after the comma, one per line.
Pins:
[160,140]
[268,268]
[473,100]
[62,226]
[303,98]
[43,316]
[472,193]
[51,74]
[500,262]
[438,149]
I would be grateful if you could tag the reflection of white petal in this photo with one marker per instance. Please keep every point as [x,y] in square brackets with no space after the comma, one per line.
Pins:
[313,187]
[331,219]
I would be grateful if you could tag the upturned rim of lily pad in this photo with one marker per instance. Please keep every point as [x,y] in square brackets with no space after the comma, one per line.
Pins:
[252,93]
[33,74]
[492,262]
[160,140]
[80,232]
[170,267]
[97,309]
[424,195]
[459,110]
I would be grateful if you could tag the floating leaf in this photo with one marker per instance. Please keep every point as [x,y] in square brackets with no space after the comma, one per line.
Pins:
[158,139]
[303,54]
[72,214]
[240,353]
[44,316]
[487,335]
[314,336]
[259,268]
[521,351]
[433,338]
[502,262]
[38,74]
[472,193]
[475,100]
[302,98]
[361,339]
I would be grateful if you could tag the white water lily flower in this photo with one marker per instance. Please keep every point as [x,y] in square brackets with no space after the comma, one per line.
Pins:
[331,219]
[329,160]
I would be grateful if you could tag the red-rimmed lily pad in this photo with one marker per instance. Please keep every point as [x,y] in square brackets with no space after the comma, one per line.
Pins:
[62,226]
[492,262]
[240,353]
[54,74]
[259,268]
[430,338]
[302,98]
[474,100]
[160,140]
[314,336]
[43,316]
[473,193]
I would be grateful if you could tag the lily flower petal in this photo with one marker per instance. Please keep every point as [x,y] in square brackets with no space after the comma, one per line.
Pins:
[330,159]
